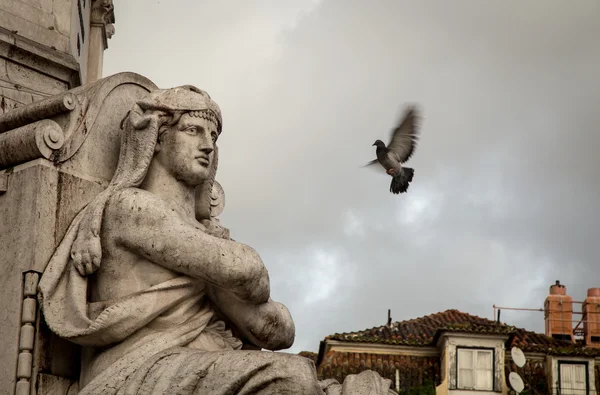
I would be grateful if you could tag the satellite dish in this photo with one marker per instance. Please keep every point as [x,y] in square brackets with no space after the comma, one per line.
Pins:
[516,382]
[517,356]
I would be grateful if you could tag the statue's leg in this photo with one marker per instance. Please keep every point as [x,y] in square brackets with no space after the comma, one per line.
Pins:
[262,372]
[193,372]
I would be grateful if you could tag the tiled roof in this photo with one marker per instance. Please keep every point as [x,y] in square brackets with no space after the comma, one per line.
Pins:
[424,331]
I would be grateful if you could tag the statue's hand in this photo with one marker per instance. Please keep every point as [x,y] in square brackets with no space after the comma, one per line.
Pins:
[86,254]
[216,230]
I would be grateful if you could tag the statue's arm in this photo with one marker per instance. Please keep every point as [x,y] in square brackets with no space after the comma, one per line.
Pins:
[267,325]
[142,223]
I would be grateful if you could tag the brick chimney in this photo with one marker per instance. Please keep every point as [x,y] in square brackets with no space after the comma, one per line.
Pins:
[591,318]
[558,313]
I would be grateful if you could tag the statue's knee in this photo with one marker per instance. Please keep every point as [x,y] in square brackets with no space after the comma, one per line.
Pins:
[301,371]
[299,365]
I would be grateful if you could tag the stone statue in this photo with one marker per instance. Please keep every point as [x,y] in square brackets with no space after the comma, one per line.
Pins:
[150,284]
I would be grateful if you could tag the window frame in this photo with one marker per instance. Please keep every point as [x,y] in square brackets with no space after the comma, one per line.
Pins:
[567,362]
[474,348]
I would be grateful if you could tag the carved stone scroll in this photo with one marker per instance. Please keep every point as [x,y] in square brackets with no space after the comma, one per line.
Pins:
[34,112]
[35,140]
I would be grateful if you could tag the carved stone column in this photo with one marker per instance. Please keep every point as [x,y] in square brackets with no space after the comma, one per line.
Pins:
[102,28]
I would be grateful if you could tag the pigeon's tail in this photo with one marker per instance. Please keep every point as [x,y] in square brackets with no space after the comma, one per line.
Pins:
[401,181]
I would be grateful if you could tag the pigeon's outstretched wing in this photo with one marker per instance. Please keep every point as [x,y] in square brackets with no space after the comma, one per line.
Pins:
[405,136]
[375,165]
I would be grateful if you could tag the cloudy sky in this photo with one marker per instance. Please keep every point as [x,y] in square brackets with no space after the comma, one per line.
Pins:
[506,195]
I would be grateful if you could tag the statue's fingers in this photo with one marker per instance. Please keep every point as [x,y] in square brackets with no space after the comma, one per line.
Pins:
[96,262]
[88,267]
[86,262]
[80,268]
[76,257]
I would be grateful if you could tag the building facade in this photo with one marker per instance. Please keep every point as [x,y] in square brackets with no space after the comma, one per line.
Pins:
[456,353]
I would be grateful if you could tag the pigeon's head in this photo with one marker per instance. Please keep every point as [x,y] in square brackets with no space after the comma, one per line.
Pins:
[379,144]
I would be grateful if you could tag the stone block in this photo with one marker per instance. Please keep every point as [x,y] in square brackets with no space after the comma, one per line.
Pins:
[62,11]
[44,60]
[28,12]
[32,31]
[45,5]
[34,80]
[19,97]
[54,385]
[29,206]
[7,104]
[3,73]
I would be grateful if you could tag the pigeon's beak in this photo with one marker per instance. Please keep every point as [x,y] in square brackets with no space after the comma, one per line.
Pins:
[374,144]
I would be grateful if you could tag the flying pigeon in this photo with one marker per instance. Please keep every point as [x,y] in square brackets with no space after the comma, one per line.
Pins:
[399,150]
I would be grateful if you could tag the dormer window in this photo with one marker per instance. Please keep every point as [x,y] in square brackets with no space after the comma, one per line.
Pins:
[475,369]
[573,377]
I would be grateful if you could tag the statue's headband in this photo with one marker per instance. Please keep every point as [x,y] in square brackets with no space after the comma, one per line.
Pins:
[182,98]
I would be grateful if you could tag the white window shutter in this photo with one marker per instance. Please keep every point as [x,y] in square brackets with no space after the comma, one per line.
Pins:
[572,379]
[580,382]
[466,377]
[484,370]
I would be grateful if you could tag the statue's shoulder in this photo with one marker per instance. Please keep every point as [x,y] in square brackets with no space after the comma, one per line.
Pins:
[136,202]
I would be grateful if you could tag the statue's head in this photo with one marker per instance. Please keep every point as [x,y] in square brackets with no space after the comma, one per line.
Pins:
[185,146]
[178,128]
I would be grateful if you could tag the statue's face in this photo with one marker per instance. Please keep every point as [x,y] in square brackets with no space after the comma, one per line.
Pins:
[186,149]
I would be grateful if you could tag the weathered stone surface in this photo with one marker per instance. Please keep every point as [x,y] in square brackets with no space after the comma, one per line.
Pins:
[62,11]
[33,31]
[45,5]
[28,12]
[14,96]
[27,210]
[99,155]
[54,385]
[51,63]
[25,76]
[37,140]
[3,72]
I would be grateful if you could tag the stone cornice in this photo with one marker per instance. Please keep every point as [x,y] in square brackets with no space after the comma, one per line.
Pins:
[336,345]
[36,56]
